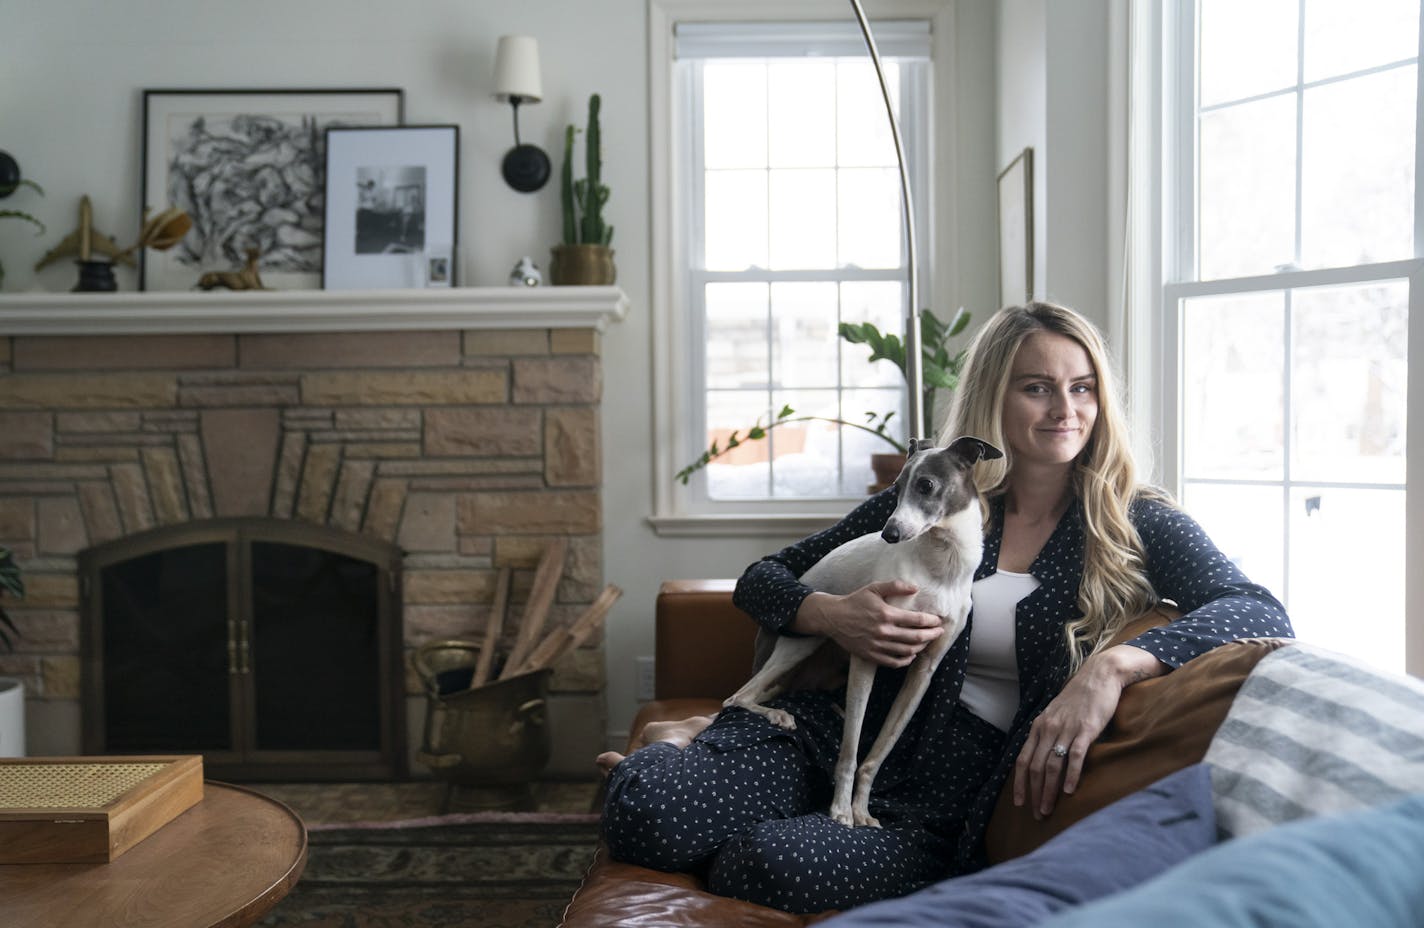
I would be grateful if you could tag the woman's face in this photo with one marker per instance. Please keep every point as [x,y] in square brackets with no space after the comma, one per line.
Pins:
[1051,402]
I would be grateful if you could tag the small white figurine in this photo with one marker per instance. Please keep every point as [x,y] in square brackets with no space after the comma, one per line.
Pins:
[526,274]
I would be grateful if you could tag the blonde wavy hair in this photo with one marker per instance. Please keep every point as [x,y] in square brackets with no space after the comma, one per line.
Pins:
[1115,589]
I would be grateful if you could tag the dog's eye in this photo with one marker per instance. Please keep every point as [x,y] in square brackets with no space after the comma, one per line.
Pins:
[924,485]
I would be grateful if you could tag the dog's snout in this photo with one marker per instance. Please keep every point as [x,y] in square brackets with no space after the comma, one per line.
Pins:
[891,534]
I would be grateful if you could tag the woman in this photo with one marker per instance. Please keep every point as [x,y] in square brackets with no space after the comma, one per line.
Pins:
[1074,550]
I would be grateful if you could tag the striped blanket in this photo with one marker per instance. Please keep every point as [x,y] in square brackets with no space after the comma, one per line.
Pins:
[1312,732]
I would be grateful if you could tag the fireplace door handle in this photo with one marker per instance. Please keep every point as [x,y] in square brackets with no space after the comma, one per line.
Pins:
[232,646]
[244,649]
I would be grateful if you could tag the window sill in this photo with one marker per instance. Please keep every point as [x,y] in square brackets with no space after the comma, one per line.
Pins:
[742,525]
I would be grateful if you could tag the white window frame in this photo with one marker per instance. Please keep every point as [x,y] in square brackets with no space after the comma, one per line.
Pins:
[1160,271]
[677,511]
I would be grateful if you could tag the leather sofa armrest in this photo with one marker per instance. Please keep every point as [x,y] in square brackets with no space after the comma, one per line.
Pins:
[704,644]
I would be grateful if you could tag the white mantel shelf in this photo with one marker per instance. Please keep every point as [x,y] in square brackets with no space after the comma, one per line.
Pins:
[310,311]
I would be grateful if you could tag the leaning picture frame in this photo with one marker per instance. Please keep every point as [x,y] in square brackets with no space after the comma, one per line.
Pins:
[247,166]
[1016,230]
[392,206]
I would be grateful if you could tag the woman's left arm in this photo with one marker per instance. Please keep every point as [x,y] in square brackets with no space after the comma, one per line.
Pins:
[1218,604]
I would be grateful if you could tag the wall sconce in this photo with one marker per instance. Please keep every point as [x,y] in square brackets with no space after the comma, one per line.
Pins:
[516,79]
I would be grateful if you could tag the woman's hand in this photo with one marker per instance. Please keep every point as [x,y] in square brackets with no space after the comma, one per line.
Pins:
[1074,719]
[867,626]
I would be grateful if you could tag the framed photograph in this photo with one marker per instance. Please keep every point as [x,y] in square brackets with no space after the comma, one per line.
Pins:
[1016,230]
[391,207]
[247,167]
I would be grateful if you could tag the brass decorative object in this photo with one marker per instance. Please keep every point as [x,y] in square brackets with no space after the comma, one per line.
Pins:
[85,240]
[245,279]
[588,265]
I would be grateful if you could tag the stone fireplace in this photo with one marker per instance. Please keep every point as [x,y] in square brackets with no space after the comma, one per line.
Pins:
[460,427]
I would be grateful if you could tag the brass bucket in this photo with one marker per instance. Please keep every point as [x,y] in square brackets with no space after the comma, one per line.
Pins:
[493,736]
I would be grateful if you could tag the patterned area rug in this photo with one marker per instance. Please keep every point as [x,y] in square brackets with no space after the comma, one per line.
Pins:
[492,870]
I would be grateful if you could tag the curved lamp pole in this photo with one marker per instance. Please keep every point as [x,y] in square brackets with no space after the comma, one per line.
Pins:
[913,374]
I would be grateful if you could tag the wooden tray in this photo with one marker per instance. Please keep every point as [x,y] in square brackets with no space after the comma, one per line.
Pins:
[90,809]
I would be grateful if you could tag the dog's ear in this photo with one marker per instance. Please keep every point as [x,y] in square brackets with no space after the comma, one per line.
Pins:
[916,445]
[974,450]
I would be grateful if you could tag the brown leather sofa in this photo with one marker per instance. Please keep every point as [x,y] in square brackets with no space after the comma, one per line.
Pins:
[704,652]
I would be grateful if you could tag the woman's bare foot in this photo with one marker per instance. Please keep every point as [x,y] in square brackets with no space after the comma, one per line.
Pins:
[678,733]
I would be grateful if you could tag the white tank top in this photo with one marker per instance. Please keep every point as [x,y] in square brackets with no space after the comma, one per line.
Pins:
[991,683]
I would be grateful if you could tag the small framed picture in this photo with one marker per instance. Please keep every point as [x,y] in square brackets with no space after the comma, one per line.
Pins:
[246,165]
[392,199]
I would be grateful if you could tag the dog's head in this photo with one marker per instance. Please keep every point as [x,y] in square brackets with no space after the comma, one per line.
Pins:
[935,485]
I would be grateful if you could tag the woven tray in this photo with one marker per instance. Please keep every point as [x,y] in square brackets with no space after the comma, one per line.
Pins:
[90,809]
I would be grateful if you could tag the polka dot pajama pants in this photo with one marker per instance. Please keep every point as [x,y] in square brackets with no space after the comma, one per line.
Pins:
[746,806]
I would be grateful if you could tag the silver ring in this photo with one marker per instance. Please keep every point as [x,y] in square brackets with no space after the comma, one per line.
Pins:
[1060,751]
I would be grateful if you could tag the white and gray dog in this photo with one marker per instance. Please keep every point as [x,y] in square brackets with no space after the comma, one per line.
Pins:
[934,540]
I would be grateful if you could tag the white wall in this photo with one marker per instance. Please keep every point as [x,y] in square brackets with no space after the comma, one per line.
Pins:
[71,76]
[1053,73]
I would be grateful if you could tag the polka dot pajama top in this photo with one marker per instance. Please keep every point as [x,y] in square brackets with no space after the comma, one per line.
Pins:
[745,803]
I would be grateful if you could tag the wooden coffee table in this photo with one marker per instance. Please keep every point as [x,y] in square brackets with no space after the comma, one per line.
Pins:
[225,862]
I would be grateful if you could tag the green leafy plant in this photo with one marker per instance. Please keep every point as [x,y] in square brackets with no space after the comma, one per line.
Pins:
[20,214]
[10,583]
[583,199]
[938,368]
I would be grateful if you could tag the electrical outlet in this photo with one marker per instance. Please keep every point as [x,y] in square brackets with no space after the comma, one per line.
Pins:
[645,678]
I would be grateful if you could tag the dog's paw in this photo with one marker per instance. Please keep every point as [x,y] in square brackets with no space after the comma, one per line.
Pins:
[843,815]
[863,817]
[781,719]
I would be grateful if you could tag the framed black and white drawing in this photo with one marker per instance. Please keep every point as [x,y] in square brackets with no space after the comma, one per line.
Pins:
[391,207]
[1016,230]
[247,167]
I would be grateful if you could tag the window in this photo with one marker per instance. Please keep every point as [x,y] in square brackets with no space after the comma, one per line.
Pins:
[787,223]
[1289,301]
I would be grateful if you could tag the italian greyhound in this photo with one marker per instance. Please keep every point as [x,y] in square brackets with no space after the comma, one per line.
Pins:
[934,540]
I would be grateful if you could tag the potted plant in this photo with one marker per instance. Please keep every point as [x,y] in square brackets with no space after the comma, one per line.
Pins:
[585,256]
[12,690]
[10,181]
[938,368]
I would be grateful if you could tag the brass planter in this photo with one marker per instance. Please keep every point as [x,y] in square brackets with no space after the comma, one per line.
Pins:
[586,265]
[496,735]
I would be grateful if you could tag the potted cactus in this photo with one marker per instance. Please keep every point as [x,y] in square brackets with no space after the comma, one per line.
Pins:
[584,257]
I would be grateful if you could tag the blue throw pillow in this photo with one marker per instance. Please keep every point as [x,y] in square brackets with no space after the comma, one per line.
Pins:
[1352,870]
[1117,847]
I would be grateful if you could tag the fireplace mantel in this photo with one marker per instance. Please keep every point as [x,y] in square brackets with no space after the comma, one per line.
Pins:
[278,311]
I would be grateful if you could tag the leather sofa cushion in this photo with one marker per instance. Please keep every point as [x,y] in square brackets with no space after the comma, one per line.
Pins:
[1161,725]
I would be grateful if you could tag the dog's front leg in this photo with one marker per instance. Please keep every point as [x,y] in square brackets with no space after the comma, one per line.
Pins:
[862,678]
[766,683]
[912,691]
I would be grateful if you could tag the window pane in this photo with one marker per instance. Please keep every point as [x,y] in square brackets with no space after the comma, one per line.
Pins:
[1349,373]
[870,217]
[736,236]
[734,114]
[1246,48]
[803,219]
[1357,192]
[736,342]
[880,303]
[804,340]
[1246,192]
[1246,523]
[1232,380]
[859,445]
[808,455]
[802,109]
[741,473]
[1337,534]
[863,136]
[1342,36]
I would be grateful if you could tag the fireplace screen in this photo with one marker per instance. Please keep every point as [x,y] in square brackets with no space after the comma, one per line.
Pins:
[271,648]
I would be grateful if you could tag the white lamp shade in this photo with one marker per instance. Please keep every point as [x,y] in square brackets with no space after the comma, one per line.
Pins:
[516,69]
